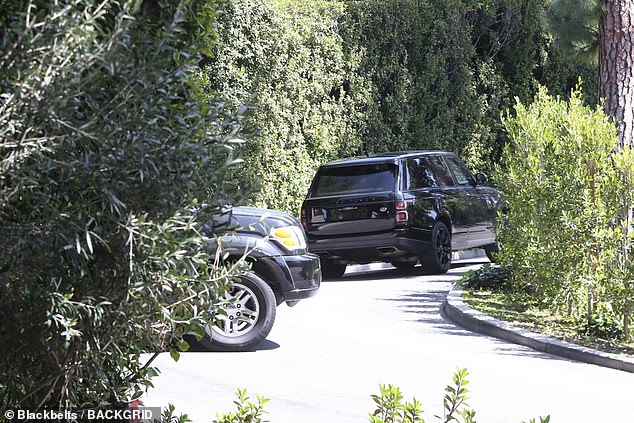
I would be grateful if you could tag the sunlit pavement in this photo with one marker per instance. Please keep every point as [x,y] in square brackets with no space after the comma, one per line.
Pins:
[326,356]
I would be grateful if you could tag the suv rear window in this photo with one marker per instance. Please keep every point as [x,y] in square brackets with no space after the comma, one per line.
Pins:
[355,179]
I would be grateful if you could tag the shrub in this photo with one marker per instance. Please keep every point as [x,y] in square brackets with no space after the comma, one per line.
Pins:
[488,277]
[390,407]
[246,410]
[105,147]
[566,232]
[602,323]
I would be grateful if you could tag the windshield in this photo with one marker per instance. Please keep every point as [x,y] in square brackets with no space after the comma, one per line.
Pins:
[355,179]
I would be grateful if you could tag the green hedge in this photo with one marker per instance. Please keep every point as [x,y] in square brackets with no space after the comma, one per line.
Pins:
[329,79]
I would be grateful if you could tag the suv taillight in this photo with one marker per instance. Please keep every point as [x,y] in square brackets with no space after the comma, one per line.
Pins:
[401,211]
[304,220]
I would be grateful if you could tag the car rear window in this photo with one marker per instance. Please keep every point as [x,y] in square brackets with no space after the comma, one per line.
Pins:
[355,179]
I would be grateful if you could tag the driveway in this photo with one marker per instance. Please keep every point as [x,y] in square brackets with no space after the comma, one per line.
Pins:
[326,356]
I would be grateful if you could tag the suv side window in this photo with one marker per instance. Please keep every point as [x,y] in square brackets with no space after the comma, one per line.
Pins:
[460,172]
[417,174]
[443,177]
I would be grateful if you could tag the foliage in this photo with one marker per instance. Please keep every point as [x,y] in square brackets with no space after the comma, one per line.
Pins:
[391,409]
[603,323]
[168,416]
[455,399]
[246,412]
[560,74]
[286,61]
[576,26]
[488,277]
[329,79]
[565,235]
[106,144]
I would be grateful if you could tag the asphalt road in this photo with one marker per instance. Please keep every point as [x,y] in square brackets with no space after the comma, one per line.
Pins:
[326,356]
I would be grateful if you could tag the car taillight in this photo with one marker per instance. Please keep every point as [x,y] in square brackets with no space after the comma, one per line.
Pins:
[304,220]
[401,212]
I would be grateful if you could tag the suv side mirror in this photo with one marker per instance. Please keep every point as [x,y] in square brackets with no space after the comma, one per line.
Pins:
[482,179]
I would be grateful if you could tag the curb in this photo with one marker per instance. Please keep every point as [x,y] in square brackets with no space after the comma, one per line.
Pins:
[470,319]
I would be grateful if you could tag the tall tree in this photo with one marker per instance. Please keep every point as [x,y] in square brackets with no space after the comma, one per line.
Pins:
[602,30]
[616,64]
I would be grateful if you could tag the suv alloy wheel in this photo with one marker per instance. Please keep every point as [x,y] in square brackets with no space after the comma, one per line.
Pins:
[438,259]
[247,316]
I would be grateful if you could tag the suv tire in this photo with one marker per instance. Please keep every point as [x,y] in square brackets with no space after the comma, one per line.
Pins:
[437,260]
[250,308]
[331,269]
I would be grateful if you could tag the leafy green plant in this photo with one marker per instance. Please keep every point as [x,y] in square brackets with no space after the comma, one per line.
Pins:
[488,277]
[168,416]
[246,410]
[391,409]
[455,400]
[602,323]
[566,233]
[107,147]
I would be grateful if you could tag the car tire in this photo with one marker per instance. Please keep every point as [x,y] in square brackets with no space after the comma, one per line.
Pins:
[250,308]
[331,269]
[438,258]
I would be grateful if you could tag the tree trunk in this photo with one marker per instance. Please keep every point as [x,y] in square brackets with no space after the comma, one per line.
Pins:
[616,61]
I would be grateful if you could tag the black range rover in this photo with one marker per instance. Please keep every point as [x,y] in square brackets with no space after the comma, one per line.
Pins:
[399,208]
[281,271]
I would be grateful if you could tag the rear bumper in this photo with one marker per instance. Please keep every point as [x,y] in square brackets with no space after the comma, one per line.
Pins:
[368,248]
[297,276]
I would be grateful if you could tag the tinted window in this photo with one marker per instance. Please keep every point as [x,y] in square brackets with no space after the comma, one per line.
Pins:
[355,179]
[443,177]
[460,172]
[418,174]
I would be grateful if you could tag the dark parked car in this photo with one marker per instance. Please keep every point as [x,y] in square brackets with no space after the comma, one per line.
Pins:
[399,208]
[281,271]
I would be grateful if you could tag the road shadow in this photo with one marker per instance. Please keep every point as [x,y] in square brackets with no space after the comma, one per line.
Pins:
[195,347]
[427,308]
[380,271]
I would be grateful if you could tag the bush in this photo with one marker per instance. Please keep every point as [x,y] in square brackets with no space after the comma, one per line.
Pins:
[106,145]
[602,323]
[246,410]
[390,407]
[566,233]
[487,277]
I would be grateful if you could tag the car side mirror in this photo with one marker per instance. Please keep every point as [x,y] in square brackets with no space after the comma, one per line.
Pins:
[482,179]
